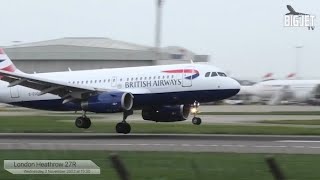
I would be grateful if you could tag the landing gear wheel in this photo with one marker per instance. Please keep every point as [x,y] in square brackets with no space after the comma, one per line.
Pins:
[196,121]
[87,123]
[80,122]
[83,122]
[123,127]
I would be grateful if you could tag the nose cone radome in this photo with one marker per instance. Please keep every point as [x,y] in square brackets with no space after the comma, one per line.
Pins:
[233,87]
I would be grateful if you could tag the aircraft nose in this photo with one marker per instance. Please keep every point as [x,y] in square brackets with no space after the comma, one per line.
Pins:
[233,86]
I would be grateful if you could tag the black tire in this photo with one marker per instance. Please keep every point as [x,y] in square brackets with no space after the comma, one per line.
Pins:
[127,128]
[196,121]
[119,127]
[87,123]
[123,128]
[80,122]
[199,121]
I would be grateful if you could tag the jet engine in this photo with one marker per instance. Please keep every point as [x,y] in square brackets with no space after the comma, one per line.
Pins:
[166,113]
[108,102]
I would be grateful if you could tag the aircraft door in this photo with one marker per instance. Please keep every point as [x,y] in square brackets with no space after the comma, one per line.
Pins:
[187,76]
[14,92]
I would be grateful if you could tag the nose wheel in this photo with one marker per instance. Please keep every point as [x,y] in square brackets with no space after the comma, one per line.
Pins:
[196,121]
[194,111]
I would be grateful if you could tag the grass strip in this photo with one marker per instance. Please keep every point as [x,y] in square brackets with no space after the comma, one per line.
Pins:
[55,124]
[173,165]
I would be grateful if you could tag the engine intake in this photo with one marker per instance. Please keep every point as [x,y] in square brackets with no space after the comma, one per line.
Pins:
[108,102]
[166,113]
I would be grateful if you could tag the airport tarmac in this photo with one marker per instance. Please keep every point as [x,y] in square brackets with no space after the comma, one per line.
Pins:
[159,142]
[221,119]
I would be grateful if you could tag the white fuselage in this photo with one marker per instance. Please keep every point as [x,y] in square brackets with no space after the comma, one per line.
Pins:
[173,80]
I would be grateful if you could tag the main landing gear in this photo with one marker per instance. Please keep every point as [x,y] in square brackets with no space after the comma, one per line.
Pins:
[124,127]
[194,112]
[83,121]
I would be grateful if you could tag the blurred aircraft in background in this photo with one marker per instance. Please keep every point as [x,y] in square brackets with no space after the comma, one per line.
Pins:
[276,91]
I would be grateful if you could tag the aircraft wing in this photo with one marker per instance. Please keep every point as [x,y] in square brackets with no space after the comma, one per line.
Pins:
[67,91]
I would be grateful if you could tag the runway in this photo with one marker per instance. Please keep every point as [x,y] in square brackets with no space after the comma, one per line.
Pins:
[159,142]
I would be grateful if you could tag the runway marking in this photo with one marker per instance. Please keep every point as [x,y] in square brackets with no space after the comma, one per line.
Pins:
[314,147]
[299,141]
[270,146]
[145,144]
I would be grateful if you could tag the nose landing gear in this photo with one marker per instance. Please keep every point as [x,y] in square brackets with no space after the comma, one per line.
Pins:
[194,112]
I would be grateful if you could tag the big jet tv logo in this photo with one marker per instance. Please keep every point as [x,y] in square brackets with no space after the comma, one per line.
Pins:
[298,19]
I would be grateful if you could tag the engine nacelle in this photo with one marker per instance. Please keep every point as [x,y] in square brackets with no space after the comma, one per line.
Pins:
[108,102]
[166,113]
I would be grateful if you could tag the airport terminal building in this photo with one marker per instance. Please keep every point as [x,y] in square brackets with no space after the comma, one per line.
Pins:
[80,53]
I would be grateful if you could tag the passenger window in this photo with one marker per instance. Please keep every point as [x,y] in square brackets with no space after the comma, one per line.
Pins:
[222,74]
[207,74]
[214,74]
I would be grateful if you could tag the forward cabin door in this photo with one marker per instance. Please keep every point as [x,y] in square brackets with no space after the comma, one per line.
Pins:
[187,76]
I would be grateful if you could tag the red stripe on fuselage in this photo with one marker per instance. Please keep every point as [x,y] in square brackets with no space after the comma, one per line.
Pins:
[1,51]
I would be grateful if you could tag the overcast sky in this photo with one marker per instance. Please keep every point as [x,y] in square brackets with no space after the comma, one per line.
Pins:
[245,38]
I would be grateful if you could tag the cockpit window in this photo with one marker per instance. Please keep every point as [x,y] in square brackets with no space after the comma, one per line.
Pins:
[222,74]
[214,74]
[207,74]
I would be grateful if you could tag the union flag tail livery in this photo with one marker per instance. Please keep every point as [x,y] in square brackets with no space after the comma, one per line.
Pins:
[164,93]
[6,63]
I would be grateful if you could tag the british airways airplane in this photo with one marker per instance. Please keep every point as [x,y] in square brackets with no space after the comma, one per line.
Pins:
[165,93]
